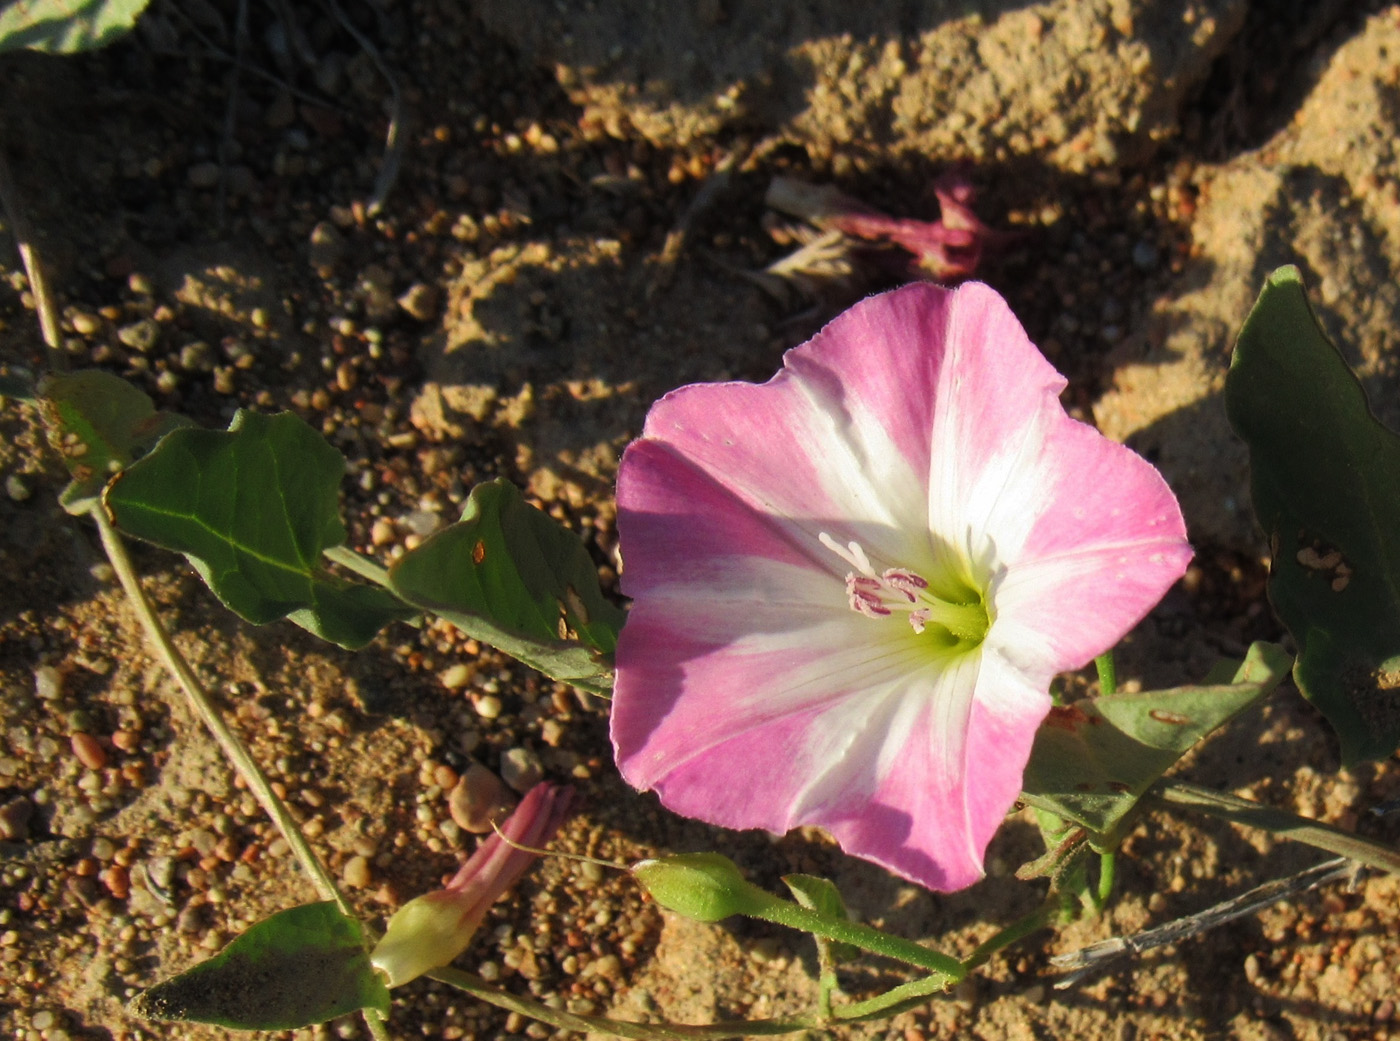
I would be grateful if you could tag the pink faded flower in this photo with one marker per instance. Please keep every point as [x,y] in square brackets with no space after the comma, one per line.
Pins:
[854,583]
[431,930]
[948,249]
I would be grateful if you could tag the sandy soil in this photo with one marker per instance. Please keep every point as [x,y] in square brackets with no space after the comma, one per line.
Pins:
[563,242]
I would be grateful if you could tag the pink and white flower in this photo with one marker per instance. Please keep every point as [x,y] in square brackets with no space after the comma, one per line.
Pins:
[853,584]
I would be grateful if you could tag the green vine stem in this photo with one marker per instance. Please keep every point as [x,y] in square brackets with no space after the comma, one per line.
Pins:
[1044,915]
[892,1002]
[1251,814]
[478,987]
[233,748]
[794,916]
[362,566]
[1108,674]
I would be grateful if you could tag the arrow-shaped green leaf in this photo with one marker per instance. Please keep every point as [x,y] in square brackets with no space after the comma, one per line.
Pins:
[509,575]
[1093,760]
[300,967]
[1325,477]
[98,423]
[252,508]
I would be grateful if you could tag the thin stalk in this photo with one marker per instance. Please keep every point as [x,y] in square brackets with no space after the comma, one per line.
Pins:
[33,268]
[1250,814]
[906,995]
[1017,930]
[1108,673]
[794,916]
[234,749]
[229,742]
[1108,870]
[478,987]
[362,566]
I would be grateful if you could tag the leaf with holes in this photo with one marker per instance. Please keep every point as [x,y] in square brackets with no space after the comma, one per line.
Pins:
[1093,760]
[1325,478]
[65,26]
[98,423]
[509,575]
[252,508]
[300,967]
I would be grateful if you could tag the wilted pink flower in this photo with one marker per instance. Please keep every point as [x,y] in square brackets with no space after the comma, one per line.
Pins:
[431,930]
[948,249]
[854,583]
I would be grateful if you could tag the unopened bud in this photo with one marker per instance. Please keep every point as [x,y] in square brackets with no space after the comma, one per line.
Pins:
[704,886]
[428,931]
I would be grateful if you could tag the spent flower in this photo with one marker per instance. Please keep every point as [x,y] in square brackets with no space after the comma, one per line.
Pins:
[852,585]
[432,929]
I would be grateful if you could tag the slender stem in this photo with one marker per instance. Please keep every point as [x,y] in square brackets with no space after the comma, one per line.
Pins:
[913,993]
[1251,814]
[229,742]
[1108,673]
[33,268]
[478,987]
[794,916]
[1017,930]
[362,566]
[1108,870]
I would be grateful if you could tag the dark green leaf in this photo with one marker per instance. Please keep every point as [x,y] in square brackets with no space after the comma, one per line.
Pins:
[65,26]
[509,575]
[300,967]
[821,894]
[98,423]
[252,509]
[1093,760]
[1325,478]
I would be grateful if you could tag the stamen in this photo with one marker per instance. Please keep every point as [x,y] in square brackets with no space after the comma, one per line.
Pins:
[899,589]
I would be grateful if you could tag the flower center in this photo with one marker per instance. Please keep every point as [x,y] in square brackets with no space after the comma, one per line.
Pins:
[901,591]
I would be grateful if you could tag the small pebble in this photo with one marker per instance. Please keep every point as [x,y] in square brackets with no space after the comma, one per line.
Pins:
[420,301]
[48,683]
[521,769]
[356,872]
[85,324]
[14,819]
[422,522]
[89,751]
[488,706]
[17,488]
[477,799]
[327,247]
[455,677]
[197,356]
[140,336]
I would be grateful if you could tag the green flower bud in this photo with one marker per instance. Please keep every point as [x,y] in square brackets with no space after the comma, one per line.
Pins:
[704,886]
